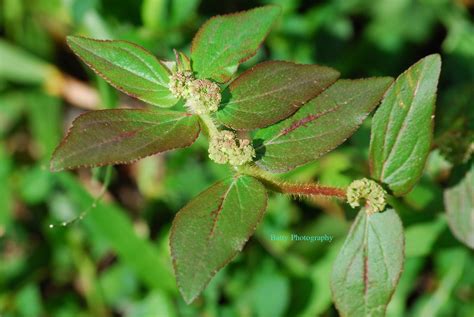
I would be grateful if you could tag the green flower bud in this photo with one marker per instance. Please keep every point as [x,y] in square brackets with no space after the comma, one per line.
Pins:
[372,193]
[226,148]
[202,96]
[179,84]
[205,96]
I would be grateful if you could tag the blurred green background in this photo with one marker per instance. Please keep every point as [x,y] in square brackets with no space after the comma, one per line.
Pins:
[115,261]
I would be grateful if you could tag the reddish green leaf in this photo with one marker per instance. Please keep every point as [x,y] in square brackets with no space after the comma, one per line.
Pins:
[402,128]
[320,125]
[459,203]
[127,67]
[272,91]
[366,271]
[225,41]
[122,136]
[211,229]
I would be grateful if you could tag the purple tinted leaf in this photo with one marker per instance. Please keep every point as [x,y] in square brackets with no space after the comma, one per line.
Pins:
[272,91]
[368,267]
[320,125]
[211,229]
[122,136]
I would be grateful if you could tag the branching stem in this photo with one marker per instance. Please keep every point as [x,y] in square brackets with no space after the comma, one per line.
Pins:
[303,189]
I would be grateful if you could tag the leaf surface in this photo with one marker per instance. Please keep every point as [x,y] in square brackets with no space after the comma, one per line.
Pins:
[121,136]
[459,204]
[211,229]
[368,267]
[225,41]
[402,128]
[272,91]
[127,67]
[320,125]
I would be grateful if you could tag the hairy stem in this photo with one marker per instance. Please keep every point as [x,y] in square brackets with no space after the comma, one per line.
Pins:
[304,189]
[209,125]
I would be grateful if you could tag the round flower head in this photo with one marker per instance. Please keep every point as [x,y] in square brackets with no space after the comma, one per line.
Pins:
[372,193]
[202,96]
[226,148]
[179,84]
[205,96]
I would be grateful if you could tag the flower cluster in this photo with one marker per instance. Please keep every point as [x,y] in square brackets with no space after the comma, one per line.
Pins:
[202,96]
[179,83]
[368,190]
[225,147]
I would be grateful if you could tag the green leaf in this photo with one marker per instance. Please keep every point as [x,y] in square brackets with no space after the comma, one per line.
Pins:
[272,91]
[320,125]
[369,265]
[120,136]
[225,41]
[402,128]
[211,229]
[459,204]
[127,67]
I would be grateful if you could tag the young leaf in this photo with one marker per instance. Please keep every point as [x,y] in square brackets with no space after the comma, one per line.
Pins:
[402,128]
[272,91]
[320,125]
[459,204]
[122,136]
[225,41]
[127,67]
[368,267]
[211,229]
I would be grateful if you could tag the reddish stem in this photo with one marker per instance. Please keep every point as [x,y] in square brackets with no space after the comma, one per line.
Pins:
[306,189]
[311,190]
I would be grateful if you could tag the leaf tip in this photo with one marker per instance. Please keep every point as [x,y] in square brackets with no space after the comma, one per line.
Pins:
[54,166]
[435,57]
[72,40]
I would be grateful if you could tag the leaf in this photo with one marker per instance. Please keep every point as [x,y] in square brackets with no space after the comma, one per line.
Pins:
[320,125]
[411,271]
[127,67]
[120,136]
[272,91]
[402,127]
[459,204]
[211,229]
[367,269]
[225,41]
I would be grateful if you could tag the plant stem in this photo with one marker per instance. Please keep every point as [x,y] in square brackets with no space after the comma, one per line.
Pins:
[209,125]
[305,189]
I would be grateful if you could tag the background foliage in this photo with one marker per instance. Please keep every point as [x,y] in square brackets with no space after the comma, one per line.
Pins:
[115,261]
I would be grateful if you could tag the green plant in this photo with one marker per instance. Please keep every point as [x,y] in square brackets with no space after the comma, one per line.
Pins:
[269,119]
